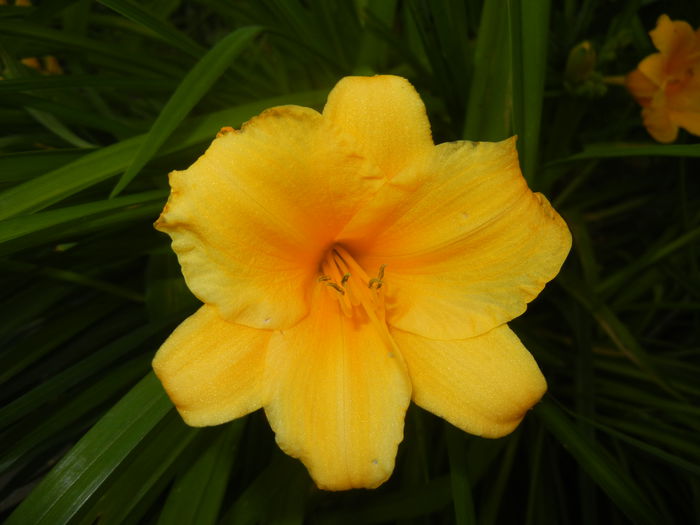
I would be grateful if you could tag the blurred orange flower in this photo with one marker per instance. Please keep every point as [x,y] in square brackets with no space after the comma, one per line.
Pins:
[667,83]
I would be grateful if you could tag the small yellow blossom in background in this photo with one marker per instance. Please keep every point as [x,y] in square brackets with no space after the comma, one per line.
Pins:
[347,266]
[667,83]
[47,65]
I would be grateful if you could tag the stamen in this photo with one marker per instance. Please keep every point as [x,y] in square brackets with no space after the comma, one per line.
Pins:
[336,287]
[377,280]
[354,298]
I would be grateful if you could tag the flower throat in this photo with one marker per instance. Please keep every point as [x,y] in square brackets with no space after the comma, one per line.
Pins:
[357,293]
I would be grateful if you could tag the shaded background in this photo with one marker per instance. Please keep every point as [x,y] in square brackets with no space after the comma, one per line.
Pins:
[100,100]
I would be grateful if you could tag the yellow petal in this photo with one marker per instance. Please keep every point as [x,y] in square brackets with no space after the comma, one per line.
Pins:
[385,116]
[483,385]
[640,87]
[336,396]
[672,37]
[211,369]
[687,120]
[466,244]
[252,218]
[659,125]
[684,105]
[652,68]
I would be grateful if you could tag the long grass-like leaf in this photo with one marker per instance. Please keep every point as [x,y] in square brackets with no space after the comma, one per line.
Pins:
[461,488]
[21,226]
[529,28]
[107,162]
[489,110]
[83,44]
[197,495]
[602,468]
[164,31]
[193,87]
[65,490]
[604,151]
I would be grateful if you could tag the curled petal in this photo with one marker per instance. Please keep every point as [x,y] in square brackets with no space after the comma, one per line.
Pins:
[252,217]
[466,244]
[385,116]
[336,396]
[673,38]
[483,385]
[212,369]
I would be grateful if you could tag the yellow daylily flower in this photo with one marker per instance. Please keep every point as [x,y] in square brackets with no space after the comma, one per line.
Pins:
[667,84]
[348,265]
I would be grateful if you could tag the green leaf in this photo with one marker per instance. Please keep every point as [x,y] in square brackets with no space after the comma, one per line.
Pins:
[45,429]
[283,481]
[662,455]
[197,495]
[493,503]
[79,278]
[165,31]
[20,167]
[653,256]
[65,39]
[604,151]
[83,217]
[65,379]
[153,463]
[166,291]
[62,327]
[616,330]
[54,125]
[529,28]
[64,491]
[193,87]
[30,302]
[599,465]
[109,161]
[490,106]
[17,85]
[461,488]
[372,51]
[407,503]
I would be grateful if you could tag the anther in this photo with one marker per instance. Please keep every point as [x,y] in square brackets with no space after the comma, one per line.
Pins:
[344,279]
[336,288]
[323,278]
[378,281]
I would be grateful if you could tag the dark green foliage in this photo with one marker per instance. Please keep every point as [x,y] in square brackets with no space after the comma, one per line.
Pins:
[90,290]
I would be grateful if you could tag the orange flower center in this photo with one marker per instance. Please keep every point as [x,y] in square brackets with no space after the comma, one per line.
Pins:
[357,293]
[361,297]
[679,81]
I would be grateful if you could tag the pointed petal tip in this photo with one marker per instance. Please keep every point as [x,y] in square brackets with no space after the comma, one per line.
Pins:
[212,369]
[385,117]
[484,385]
